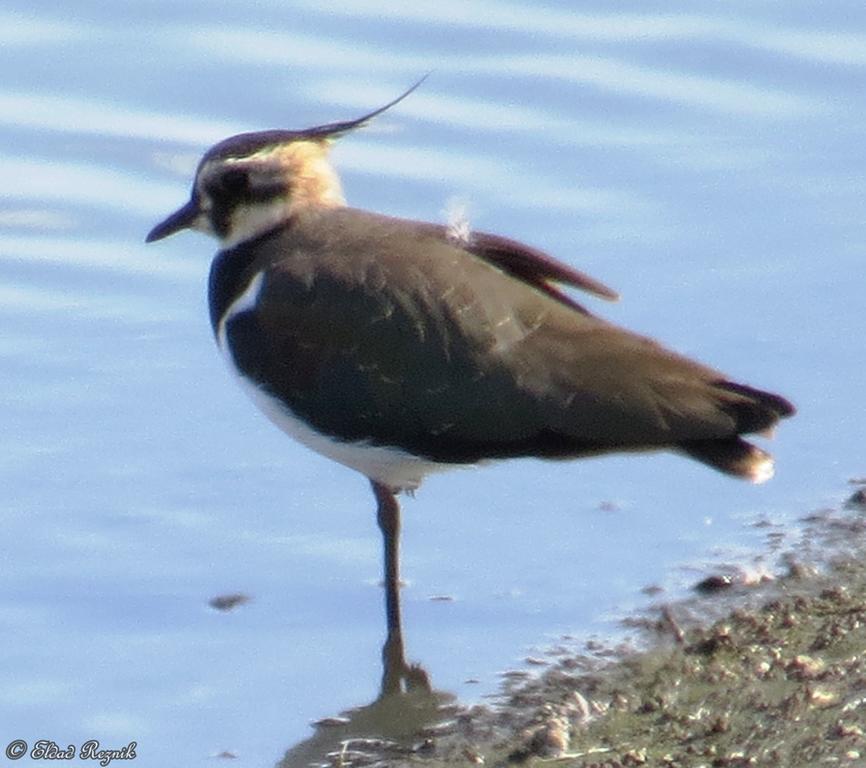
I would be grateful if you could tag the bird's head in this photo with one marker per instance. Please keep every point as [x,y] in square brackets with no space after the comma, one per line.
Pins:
[252,182]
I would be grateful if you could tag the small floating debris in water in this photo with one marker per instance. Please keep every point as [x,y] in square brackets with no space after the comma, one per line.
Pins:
[229,602]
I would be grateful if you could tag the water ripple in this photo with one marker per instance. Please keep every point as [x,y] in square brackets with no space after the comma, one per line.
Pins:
[20,299]
[119,256]
[86,184]
[25,30]
[822,46]
[85,116]
[494,178]
[625,79]
[609,74]
[475,113]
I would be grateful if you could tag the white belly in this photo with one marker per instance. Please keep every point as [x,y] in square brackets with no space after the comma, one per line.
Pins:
[392,467]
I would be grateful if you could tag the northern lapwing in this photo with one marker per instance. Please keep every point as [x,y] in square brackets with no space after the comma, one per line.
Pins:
[400,348]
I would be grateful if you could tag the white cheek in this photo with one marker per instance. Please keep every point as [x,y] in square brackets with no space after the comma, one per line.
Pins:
[250,221]
[202,224]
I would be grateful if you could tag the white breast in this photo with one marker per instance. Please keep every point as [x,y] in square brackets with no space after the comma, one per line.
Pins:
[392,467]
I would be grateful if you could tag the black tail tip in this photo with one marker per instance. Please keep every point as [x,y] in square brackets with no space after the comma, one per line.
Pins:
[780,407]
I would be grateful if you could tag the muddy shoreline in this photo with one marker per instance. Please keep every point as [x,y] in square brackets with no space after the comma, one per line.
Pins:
[770,673]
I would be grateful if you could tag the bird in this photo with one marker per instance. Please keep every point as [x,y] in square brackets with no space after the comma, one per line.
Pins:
[400,348]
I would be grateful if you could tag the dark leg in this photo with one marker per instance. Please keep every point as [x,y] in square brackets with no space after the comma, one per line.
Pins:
[393,658]
[388,516]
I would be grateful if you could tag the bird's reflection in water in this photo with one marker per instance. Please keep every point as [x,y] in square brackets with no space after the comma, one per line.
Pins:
[394,723]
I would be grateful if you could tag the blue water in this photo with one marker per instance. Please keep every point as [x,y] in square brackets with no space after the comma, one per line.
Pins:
[709,165]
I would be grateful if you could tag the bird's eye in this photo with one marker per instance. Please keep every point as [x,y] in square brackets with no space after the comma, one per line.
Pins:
[232,181]
[235,180]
